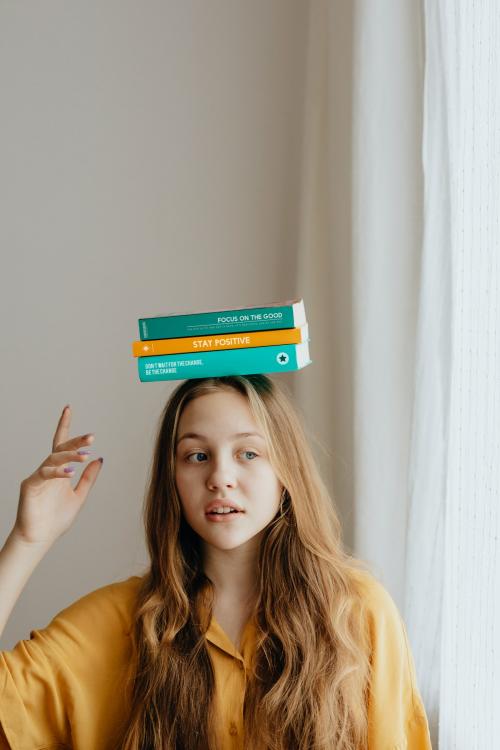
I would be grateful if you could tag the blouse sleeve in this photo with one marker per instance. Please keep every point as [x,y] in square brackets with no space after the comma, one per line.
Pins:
[396,714]
[65,686]
[34,688]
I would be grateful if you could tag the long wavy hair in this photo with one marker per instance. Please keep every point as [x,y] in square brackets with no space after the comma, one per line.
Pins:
[309,682]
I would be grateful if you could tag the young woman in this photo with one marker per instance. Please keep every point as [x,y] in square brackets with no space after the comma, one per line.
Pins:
[252,627]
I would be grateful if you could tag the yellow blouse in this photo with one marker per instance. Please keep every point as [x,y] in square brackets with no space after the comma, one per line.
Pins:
[65,686]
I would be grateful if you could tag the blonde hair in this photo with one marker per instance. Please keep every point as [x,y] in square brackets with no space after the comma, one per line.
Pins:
[311,671]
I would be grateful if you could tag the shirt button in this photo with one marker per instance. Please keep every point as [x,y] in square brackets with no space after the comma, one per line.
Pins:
[233,729]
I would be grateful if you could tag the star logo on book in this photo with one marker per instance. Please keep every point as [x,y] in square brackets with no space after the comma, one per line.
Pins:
[282,358]
[145,348]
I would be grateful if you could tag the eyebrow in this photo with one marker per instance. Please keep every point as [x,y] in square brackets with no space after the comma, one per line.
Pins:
[197,436]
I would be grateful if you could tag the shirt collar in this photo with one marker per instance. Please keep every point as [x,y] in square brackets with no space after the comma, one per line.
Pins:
[218,637]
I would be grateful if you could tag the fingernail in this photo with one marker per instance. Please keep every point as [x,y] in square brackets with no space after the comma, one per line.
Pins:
[84,453]
[66,407]
[68,470]
[101,459]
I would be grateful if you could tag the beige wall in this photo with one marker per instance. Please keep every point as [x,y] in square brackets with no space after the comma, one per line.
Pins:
[150,159]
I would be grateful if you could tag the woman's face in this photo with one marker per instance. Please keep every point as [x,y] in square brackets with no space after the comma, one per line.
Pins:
[217,465]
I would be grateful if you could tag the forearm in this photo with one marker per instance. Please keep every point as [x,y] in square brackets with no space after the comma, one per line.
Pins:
[18,560]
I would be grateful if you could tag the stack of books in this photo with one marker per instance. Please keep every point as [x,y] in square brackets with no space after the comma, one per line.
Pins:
[242,341]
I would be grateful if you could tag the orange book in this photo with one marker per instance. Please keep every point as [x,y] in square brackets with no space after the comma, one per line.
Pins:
[221,341]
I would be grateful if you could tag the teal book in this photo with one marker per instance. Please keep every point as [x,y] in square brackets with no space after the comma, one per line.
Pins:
[260,359]
[289,314]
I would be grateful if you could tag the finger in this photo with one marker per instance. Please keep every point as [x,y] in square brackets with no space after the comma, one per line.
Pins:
[87,479]
[53,472]
[56,465]
[44,473]
[76,442]
[62,429]
[59,458]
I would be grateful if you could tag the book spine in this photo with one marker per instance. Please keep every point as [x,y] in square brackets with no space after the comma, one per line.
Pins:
[221,342]
[210,323]
[265,359]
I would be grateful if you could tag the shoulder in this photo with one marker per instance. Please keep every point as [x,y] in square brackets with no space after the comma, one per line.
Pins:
[114,602]
[100,620]
[378,605]
[386,629]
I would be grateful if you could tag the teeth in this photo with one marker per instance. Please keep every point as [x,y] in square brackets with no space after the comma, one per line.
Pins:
[223,510]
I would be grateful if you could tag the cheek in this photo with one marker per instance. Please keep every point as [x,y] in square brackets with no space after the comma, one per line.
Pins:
[269,487]
[184,486]
[186,499]
[182,474]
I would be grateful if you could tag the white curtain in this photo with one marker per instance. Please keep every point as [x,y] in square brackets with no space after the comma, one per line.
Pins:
[398,264]
[453,572]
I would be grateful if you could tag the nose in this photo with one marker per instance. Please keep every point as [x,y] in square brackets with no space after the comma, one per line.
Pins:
[222,474]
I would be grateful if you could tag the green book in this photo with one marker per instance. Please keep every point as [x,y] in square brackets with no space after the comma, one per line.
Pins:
[289,314]
[261,359]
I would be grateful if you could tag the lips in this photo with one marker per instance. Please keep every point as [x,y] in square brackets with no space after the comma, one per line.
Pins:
[216,504]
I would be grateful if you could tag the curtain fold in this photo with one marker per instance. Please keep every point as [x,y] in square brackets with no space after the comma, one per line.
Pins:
[430,424]
[386,250]
[358,262]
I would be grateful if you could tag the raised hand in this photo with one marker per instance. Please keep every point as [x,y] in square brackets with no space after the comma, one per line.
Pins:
[48,503]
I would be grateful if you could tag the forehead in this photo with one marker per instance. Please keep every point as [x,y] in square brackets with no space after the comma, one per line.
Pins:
[221,411]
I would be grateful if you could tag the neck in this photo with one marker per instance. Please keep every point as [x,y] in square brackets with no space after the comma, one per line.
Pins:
[233,572]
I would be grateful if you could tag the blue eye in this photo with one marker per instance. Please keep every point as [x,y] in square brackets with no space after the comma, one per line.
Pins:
[253,453]
[200,453]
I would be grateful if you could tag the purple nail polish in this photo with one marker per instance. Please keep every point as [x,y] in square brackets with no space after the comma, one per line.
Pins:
[84,453]
[68,470]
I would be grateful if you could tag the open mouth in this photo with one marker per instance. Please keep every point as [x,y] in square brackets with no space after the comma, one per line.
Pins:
[223,516]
